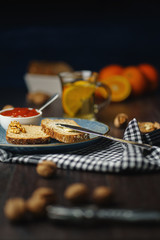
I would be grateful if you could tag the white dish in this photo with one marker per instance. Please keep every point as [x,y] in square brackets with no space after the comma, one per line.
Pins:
[34,120]
[43,83]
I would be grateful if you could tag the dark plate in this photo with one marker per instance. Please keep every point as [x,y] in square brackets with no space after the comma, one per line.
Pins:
[55,146]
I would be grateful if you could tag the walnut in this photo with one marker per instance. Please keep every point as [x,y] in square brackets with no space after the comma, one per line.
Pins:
[46,193]
[23,130]
[36,206]
[15,124]
[15,209]
[46,168]
[102,195]
[16,127]
[156,125]
[39,199]
[121,120]
[146,127]
[76,192]
[7,107]
[14,130]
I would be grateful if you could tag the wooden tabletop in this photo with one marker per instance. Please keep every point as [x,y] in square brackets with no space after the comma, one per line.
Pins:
[131,191]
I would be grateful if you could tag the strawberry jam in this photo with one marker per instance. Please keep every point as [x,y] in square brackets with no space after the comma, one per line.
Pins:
[20,112]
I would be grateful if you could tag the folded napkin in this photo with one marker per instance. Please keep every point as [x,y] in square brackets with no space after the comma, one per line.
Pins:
[103,156]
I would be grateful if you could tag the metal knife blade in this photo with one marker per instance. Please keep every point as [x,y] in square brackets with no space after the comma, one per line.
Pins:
[85,130]
[79,214]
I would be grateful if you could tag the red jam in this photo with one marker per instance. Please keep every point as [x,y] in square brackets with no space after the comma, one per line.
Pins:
[20,112]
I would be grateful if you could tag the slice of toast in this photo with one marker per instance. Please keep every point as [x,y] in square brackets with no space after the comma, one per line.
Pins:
[31,134]
[62,134]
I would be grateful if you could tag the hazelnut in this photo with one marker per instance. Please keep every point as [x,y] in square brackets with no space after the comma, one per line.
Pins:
[102,195]
[7,107]
[76,192]
[121,120]
[46,168]
[48,194]
[15,209]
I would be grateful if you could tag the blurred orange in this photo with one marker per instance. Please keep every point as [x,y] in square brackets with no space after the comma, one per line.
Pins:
[151,73]
[109,70]
[120,87]
[136,78]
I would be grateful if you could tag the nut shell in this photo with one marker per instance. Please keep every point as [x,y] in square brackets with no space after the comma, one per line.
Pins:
[15,209]
[102,195]
[157,125]
[121,120]
[76,192]
[36,206]
[46,169]
[46,193]
[146,127]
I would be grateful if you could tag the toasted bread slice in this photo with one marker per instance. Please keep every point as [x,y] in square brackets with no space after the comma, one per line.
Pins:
[62,134]
[33,135]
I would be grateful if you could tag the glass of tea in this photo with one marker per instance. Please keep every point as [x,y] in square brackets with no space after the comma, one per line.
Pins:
[82,95]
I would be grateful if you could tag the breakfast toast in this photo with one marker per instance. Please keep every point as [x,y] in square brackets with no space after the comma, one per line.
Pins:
[26,134]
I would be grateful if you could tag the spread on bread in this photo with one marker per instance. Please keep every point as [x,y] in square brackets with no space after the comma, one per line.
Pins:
[62,134]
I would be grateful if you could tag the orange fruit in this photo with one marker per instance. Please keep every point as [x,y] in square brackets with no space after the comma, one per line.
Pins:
[110,70]
[75,95]
[136,78]
[150,73]
[120,87]
[100,92]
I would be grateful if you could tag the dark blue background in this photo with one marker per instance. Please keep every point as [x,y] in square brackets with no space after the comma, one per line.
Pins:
[86,35]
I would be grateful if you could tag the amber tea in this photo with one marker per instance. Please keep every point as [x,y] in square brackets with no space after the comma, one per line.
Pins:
[79,93]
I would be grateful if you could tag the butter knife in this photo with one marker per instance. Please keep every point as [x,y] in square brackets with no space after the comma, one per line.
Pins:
[82,214]
[85,130]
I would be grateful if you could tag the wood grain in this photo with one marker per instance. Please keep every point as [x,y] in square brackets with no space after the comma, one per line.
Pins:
[135,191]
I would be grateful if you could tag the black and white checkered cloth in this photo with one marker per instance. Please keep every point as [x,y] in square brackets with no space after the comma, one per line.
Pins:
[103,156]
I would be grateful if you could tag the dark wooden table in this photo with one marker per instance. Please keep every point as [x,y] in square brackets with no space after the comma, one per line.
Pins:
[133,191]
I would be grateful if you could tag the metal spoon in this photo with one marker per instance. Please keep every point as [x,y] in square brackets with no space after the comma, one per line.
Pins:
[54,97]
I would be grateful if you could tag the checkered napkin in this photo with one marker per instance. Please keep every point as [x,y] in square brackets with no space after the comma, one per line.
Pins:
[104,155]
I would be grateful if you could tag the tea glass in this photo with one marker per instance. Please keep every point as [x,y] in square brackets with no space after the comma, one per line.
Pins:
[90,105]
